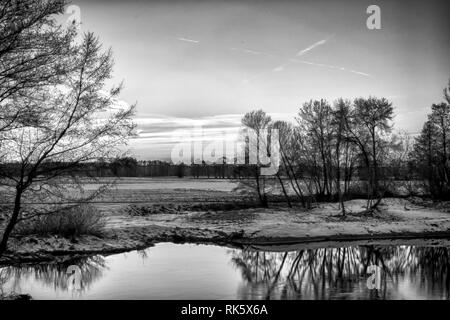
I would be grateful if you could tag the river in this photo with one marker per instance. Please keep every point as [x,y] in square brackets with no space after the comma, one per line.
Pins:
[192,271]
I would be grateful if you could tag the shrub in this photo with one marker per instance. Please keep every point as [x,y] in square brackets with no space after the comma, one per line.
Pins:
[69,222]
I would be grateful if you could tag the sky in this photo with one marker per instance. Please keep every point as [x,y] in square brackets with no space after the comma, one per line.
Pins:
[205,63]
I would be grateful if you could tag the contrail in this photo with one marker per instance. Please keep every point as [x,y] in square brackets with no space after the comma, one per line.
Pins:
[330,67]
[292,60]
[254,52]
[318,43]
[301,52]
[361,73]
[188,40]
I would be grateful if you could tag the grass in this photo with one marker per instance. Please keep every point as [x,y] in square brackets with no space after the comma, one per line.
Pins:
[72,222]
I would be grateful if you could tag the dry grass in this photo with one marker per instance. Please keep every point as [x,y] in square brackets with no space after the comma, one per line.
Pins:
[82,220]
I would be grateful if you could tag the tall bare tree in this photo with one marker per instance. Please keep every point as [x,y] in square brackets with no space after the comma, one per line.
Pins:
[373,121]
[78,121]
[315,123]
[285,137]
[431,153]
[258,121]
[341,112]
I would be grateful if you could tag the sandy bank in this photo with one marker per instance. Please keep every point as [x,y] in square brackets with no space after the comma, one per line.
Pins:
[398,219]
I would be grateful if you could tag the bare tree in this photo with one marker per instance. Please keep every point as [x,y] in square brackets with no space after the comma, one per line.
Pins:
[431,153]
[258,121]
[340,114]
[314,121]
[33,52]
[77,121]
[285,136]
[372,122]
[440,117]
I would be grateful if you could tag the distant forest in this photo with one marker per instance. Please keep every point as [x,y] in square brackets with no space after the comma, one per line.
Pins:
[131,167]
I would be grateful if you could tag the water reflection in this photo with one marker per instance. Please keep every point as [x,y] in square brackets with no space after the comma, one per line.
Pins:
[189,271]
[341,273]
[53,275]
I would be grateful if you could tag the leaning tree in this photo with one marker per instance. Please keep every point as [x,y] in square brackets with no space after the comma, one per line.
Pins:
[76,121]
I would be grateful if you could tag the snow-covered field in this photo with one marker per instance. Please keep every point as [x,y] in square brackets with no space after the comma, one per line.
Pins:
[171,183]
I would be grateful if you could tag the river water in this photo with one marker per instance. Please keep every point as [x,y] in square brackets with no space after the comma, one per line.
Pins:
[191,271]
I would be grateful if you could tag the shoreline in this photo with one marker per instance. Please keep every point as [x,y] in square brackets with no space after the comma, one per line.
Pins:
[274,244]
[398,221]
[439,238]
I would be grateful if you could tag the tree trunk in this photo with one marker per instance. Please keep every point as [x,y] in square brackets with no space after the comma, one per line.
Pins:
[261,195]
[444,154]
[12,222]
[338,178]
[292,177]
[284,191]
[375,167]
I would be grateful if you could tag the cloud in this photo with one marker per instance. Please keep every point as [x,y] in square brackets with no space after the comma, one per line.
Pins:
[252,51]
[278,69]
[158,134]
[117,105]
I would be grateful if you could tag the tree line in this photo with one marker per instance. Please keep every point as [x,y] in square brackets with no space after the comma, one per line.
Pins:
[333,139]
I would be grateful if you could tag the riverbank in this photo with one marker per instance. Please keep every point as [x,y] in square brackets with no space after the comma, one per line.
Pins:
[125,230]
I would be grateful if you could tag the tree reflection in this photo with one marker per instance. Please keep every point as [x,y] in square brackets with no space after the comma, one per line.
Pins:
[341,273]
[407,272]
[53,275]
